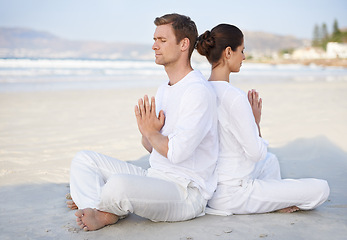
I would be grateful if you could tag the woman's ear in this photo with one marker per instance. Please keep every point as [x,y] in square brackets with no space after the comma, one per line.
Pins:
[228,52]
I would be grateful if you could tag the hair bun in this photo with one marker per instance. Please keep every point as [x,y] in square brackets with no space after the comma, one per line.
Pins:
[204,43]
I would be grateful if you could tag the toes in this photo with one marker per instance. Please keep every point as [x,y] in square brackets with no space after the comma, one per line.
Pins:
[71,205]
[79,213]
[83,227]
[80,223]
[68,196]
[293,209]
[296,209]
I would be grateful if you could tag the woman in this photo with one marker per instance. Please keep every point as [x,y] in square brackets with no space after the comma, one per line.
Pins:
[249,176]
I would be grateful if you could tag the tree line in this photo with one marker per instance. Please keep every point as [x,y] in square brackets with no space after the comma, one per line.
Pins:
[321,35]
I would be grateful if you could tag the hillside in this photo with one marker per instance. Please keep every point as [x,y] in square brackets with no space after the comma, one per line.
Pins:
[266,43]
[28,43]
[20,42]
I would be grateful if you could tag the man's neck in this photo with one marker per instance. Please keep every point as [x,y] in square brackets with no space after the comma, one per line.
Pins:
[177,72]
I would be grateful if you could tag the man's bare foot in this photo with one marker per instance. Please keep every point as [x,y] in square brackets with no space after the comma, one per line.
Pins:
[72,205]
[68,196]
[92,219]
[288,209]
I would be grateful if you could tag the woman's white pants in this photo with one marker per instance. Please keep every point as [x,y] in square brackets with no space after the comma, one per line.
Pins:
[265,192]
[110,185]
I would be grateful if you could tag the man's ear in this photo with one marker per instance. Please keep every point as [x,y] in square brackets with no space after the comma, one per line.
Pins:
[185,44]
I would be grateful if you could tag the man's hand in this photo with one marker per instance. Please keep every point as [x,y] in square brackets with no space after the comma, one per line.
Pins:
[146,117]
[149,125]
[256,104]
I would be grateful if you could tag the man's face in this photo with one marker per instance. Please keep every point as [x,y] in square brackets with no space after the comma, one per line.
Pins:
[167,51]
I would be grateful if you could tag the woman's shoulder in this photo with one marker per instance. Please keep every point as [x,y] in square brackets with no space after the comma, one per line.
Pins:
[226,91]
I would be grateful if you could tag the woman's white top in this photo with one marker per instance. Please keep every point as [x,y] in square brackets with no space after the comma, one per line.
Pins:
[240,146]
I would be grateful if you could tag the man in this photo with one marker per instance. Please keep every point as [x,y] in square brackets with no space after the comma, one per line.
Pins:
[181,137]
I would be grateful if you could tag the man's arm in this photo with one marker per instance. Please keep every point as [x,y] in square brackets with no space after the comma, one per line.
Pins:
[146,144]
[196,119]
[149,125]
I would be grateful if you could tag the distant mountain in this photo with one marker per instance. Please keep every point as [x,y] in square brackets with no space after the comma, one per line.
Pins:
[265,43]
[20,42]
[28,43]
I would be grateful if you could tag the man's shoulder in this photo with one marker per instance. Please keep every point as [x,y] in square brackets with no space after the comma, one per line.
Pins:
[197,80]
[196,76]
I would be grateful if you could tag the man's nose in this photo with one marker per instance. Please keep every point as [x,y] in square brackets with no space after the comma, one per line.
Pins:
[155,46]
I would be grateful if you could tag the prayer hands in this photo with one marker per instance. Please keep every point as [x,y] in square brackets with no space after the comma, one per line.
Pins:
[256,104]
[147,120]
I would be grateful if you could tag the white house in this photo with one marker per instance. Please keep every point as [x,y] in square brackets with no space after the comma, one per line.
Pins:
[336,50]
[308,53]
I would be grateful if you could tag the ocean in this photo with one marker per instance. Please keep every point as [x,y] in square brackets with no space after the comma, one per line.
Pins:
[62,74]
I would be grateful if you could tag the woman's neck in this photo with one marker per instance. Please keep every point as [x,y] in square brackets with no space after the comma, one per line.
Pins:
[219,73]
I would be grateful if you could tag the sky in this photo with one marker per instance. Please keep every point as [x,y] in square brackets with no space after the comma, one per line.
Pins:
[132,20]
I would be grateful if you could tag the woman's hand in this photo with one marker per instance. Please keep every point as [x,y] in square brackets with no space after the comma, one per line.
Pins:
[256,105]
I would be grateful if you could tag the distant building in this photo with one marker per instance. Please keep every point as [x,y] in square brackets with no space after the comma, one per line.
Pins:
[308,53]
[336,50]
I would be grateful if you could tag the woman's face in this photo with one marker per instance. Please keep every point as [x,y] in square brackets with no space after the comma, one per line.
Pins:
[237,58]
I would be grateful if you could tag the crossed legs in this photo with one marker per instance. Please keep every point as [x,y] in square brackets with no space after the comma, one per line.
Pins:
[106,189]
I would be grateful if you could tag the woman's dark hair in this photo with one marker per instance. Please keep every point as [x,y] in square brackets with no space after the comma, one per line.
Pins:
[212,43]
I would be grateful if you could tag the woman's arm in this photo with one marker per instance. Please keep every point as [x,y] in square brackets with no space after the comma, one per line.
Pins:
[243,126]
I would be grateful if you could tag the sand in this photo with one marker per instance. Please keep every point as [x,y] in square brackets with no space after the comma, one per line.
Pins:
[305,123]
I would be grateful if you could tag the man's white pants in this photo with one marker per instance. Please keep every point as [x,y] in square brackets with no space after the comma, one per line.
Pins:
[110,185]
[267,192]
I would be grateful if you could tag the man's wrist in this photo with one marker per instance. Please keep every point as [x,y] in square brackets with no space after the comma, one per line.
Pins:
[151,135]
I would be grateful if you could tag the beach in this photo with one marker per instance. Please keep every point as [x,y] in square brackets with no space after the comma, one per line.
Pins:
[41,131]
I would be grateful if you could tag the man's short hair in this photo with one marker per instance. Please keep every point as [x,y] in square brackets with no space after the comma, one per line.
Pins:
[183,27]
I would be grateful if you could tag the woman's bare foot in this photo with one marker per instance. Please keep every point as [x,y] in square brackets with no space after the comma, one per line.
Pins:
[72,205]
[92,219]
[288,209]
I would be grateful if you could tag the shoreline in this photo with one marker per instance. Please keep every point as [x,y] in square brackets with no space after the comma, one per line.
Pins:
[306,62]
